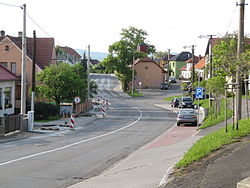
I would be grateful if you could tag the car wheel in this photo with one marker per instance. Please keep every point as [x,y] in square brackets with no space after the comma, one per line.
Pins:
[178,124]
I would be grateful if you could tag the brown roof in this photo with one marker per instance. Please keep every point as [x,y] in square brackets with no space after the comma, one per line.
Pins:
[44,49]
[6,74]
[147,59]
[200,64]
[71,51]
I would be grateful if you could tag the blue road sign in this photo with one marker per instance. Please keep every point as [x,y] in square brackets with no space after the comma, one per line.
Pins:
[199,93]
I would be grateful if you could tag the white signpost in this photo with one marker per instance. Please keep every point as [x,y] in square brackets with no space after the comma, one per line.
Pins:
[199,95]
[77,100]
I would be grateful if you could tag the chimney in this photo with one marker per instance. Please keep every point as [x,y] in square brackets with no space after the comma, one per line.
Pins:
[2,33]
[20,34]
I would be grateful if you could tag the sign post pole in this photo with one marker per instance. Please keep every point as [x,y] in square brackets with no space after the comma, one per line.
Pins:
[199,95]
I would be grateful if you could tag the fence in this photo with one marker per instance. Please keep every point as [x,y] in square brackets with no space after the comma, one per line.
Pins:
[83,107]
[12,123]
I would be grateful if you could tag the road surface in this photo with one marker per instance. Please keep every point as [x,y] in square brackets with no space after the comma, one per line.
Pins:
[64,158]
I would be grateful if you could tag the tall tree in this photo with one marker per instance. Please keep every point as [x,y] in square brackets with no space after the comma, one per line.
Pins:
[121,53]
[215,85]
[225,60]
[61,83]
[160,54]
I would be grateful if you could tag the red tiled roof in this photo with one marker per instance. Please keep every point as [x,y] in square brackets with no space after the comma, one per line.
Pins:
[71,51]
[183,68]
[6,74]
[196,59]
[44,49]
[200,64]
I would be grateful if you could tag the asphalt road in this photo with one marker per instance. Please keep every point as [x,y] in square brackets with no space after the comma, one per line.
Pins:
[67,157]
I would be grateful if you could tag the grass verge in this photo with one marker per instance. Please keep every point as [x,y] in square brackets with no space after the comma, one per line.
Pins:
[52,118]
[210,120]
[136,94]
[214,141]
[171,98]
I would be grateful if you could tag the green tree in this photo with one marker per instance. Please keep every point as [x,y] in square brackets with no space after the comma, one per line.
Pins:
[61,83]
[225,60]
[121,53]
[59,50]
[215,85]
[160,54]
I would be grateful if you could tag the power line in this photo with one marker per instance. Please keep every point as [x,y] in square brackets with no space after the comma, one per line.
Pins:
[42,29]
[230,22]
[10,5]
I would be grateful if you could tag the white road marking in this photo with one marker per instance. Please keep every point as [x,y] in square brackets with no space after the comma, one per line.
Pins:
[73,144]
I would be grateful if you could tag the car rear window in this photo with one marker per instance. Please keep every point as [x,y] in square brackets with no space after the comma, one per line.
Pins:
[187,112]
[186,99]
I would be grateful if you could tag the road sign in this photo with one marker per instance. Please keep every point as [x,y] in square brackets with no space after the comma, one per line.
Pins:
[199,93]
[77,100]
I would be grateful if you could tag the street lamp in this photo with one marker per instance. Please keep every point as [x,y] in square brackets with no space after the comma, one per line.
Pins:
[192,47]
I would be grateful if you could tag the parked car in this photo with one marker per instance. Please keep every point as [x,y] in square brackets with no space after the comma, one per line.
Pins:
[164,86]
[186,102]
[187,116]
[172,80]
[175,102]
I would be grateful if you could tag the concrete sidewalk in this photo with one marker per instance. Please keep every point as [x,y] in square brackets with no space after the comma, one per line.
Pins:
[149,166]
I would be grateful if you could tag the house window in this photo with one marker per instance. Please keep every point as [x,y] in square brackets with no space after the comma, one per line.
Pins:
[7,96]
[13,67]
[4,64]
[7,48]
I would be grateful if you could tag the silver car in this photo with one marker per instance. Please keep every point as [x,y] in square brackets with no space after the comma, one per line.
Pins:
[187,116]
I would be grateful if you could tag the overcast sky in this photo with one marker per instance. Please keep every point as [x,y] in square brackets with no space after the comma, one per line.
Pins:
[169,24]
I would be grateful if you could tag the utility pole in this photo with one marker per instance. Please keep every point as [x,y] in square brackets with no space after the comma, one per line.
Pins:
[210,52]
[23,77]
[210,55]
[133,74]
[168,66]
[33,72]
[238,71]
[192,66]
[88,62]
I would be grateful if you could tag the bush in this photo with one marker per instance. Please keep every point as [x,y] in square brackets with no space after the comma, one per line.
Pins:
[44,110]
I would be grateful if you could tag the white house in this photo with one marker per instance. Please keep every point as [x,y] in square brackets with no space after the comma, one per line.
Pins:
[7,91]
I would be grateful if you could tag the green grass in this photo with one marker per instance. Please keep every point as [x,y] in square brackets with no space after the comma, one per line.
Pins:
[210,120]
[52,118]
[204,103]
[171,98]
[214,141]
[136,94]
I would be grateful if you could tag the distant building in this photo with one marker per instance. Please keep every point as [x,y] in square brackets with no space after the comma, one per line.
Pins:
[7,91]
[177,62]
[186,70]
[148,74]
[68,55]
[11,58]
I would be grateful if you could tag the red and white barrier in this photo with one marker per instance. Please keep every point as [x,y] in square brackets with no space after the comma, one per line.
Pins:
[103,109]
[107,104]
[72,121]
